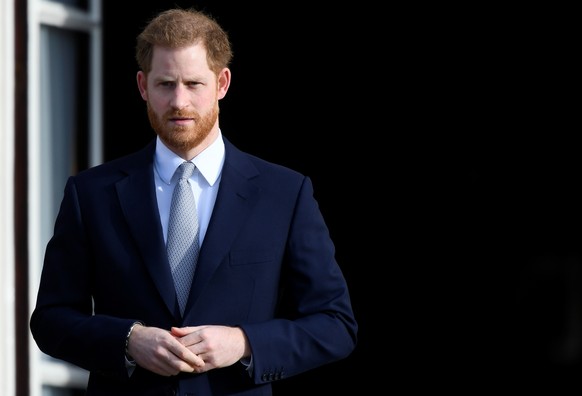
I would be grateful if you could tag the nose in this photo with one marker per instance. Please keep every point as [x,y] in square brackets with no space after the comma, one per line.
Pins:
[180,97]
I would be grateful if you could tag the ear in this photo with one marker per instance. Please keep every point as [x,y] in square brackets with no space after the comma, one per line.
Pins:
[223,82]
[142,85]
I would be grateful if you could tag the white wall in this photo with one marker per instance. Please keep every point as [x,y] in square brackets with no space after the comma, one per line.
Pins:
[7,285]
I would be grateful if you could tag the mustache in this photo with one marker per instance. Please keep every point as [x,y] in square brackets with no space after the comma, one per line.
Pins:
[182,114]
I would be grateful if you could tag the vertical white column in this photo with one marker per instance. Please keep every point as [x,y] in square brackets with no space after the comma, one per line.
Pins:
[7,280]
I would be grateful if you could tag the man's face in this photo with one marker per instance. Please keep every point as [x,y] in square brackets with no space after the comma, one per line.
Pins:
[182,96]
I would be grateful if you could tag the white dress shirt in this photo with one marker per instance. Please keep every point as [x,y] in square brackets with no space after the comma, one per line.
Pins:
[204,181]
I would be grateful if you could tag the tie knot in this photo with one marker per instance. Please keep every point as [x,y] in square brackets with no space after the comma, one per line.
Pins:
[185,170]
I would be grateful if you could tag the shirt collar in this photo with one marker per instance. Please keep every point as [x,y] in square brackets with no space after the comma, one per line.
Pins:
[209,162]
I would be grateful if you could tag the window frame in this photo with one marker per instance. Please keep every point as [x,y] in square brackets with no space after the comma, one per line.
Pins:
[43,370]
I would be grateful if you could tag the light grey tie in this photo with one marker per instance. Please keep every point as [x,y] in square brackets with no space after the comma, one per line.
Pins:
[183,244]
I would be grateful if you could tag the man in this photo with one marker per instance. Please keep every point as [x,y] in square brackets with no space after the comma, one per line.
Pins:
[264,297]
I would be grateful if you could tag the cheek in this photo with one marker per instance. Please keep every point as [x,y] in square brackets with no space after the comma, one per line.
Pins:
[205,101]
[156,102]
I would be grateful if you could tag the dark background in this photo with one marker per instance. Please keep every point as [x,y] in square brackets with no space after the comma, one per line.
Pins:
[510,203]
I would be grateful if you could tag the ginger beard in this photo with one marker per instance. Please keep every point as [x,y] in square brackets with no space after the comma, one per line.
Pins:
[181,137]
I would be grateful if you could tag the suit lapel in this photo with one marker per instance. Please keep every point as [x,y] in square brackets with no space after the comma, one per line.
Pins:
[235,199]
[138,201]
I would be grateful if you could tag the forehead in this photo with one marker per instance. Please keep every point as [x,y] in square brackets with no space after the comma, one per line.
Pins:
[192,57]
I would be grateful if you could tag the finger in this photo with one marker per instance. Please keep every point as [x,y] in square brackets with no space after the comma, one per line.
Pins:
[182,331]
[186,355]
[173,364]
[165,365]
[188,339]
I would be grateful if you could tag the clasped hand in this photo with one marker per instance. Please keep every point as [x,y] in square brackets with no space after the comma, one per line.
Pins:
[193,349]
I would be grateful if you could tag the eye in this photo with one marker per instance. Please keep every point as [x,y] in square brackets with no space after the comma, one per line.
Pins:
[167,84]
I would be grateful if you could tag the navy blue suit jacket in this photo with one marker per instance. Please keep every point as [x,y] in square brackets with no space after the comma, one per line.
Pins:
[267,264]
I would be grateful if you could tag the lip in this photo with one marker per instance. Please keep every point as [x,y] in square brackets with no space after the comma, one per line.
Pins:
[181,121]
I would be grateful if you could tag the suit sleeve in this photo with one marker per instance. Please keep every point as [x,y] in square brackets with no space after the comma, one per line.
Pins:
[315,324]
[62,323]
